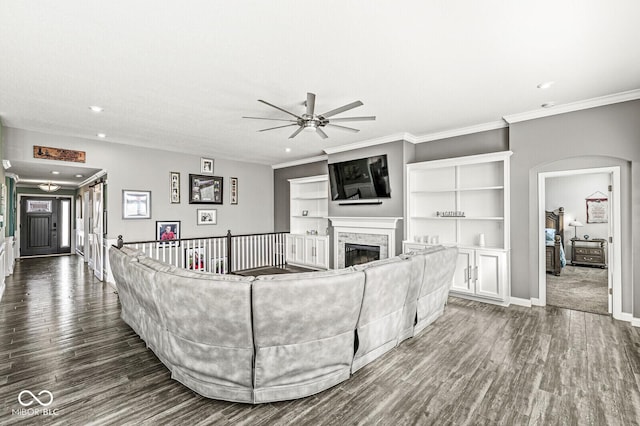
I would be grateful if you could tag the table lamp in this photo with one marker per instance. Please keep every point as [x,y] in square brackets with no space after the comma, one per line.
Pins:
[575,225]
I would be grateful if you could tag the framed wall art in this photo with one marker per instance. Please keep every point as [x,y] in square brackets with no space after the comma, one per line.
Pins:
[205,189]
[233,185]
[206,165]
[195,258]
[174,187]
[207,217]
[136,204]
[167,231]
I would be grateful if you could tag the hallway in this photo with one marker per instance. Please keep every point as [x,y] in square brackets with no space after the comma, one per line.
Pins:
[60,331]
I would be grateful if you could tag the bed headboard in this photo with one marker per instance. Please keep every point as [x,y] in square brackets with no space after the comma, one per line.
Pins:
[555,221]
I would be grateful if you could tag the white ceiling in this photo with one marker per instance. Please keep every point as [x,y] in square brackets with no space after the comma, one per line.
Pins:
[180,75]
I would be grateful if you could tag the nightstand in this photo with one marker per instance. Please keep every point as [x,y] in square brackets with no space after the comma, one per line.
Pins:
[589,252]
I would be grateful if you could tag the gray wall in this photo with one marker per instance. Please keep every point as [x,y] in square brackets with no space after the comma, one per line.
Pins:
[281,190]
[461,146]
[130,167]
[604,136]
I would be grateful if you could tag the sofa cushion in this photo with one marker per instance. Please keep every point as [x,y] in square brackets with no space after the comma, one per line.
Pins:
[303,328]
[209,333]
[437,280]
[385,292]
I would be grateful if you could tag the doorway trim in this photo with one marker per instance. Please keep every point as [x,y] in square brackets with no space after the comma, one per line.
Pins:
[614,248]
[18,232]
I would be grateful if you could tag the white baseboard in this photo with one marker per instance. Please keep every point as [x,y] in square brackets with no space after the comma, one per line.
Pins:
[536,302]
[520,302]
[635,322]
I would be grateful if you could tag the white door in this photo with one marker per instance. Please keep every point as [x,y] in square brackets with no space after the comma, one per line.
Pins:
[608,252]
[462,278]
[97,231]
[489,273]
[299,243]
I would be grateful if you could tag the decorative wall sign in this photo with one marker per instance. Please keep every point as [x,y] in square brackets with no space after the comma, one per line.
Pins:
[174,187]
[233,182]
[597,210]
[59,154]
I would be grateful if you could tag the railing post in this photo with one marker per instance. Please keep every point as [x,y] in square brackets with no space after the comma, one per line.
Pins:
[229,256]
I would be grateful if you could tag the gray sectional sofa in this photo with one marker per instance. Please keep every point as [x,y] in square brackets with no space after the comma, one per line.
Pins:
[278,337]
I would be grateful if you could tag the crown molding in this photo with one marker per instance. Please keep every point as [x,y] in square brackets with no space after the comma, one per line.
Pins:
[630,95]
[477,128]
[299,162]
[370,142]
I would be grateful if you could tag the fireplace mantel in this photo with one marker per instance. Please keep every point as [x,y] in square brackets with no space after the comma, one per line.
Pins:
[364,222]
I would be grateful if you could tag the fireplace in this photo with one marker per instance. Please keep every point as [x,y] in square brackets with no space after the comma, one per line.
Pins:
[378,232]
[355,254]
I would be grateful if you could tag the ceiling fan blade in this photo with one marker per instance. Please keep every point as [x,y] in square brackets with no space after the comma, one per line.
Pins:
[341,109]
[294,134]
[368,118]
[348,129]
[279,127]
[322,134]
[274,119]
[278,108]
[311,103]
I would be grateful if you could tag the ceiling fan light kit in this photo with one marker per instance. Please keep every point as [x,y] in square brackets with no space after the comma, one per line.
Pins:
[311,122]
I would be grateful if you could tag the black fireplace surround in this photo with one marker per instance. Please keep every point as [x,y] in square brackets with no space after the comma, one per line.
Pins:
[355,254]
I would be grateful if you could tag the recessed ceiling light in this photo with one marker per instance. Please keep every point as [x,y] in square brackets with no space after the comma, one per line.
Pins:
[96,108]
[55,172]
[545,85]
[548,104]
[102,135]
[79,175]
[287,150]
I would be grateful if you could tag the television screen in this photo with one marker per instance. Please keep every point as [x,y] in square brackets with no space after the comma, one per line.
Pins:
[365,178]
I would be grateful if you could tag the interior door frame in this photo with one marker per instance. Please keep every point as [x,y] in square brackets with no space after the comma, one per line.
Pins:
[615,267]
[18,230]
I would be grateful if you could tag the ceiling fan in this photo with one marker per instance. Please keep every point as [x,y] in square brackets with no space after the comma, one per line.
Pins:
[310,121]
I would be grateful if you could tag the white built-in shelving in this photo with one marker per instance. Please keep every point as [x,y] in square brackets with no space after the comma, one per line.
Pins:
[308,242]
[478,187]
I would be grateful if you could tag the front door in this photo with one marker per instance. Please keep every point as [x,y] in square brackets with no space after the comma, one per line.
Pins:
[45,226]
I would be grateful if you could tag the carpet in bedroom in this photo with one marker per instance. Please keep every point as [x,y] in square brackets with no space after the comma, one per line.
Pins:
[581,288]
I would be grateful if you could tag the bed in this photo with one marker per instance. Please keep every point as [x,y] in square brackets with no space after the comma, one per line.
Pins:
[554,241]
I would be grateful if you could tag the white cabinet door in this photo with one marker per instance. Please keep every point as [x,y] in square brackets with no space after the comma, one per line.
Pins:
[490,273]
[309,250]
[295,248]
[316,251]
[463,277]
[322,252]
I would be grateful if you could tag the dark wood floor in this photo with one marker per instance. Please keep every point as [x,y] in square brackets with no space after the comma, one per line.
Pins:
[60,331]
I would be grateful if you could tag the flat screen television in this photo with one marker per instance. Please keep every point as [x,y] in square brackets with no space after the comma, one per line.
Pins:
[361,179]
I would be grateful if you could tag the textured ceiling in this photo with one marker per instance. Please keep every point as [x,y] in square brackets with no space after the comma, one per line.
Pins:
[178,75]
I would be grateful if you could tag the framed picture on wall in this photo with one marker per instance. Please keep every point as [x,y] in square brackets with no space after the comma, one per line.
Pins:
[233,185]
[167,232]
[205,189]
[206,165]
[207,217]
[174,187]
[136,204]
